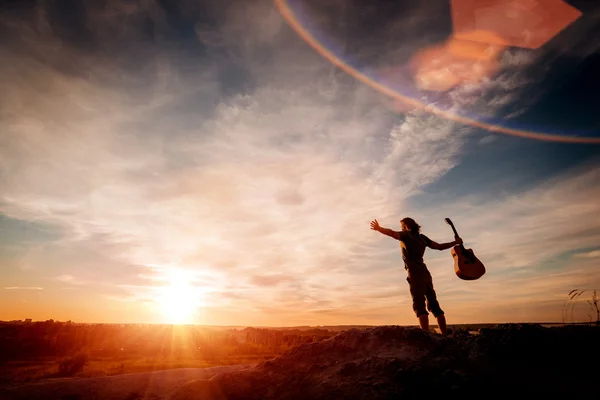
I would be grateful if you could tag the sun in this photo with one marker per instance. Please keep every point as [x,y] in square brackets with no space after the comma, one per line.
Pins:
[178,300]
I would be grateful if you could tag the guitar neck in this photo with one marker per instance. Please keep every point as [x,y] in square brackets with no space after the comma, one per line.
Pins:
[456,235]
[454,230]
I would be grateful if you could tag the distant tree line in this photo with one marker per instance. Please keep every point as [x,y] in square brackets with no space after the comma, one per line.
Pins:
[52,339]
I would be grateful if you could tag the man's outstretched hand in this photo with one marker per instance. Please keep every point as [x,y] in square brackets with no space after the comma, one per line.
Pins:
[375,225]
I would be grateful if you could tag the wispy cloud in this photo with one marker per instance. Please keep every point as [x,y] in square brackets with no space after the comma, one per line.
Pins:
[269,280]
[590,254]
[70,279]
[23,288]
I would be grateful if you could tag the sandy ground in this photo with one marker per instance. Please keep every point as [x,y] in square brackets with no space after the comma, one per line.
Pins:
[146,385]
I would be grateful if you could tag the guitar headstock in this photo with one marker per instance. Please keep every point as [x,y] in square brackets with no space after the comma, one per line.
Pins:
[449,222]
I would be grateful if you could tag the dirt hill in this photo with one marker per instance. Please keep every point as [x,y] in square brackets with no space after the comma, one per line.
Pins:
[387,362]
[403,363]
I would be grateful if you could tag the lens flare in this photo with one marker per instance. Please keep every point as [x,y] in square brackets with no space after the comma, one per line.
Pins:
[411,101]
[443,67]
[521,23]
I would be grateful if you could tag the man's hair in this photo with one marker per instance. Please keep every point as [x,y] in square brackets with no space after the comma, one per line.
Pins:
[411,225]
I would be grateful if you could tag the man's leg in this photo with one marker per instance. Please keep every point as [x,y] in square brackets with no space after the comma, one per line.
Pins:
[441,319]
[434,306]
[417,292]
[424,322]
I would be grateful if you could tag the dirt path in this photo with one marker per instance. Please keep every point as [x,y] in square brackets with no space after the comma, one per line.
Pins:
[145,385]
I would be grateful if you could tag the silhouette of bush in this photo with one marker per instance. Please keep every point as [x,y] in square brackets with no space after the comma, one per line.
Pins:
[72,365]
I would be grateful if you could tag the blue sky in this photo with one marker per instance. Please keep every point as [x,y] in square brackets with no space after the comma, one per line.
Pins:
[199,162]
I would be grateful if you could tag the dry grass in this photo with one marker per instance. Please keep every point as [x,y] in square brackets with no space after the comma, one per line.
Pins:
[26,371]
[16,372]
[572,300]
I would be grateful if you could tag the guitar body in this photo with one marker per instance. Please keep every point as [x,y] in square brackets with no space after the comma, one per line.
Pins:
[466,265]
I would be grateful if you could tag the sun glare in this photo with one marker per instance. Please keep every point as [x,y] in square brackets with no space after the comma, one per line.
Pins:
[179,300]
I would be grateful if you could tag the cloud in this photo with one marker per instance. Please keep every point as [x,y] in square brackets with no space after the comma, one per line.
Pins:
[268,280]
[249,25]
[590,254]
[23,288]
[487,140]
[70,280]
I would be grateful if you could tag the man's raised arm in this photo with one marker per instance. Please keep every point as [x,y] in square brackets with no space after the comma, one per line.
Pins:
[391,233]
[443,246]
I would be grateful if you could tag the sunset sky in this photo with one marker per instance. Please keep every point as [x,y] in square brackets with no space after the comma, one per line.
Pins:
[200,162]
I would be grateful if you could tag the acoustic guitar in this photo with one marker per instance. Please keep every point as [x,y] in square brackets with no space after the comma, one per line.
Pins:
[466,265]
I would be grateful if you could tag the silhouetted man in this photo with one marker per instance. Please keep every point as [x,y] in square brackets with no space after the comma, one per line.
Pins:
[413,244]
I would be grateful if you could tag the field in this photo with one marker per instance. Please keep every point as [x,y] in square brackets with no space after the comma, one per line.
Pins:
[34,351]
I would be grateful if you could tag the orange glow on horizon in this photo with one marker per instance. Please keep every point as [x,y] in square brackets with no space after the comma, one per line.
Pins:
[179,300]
